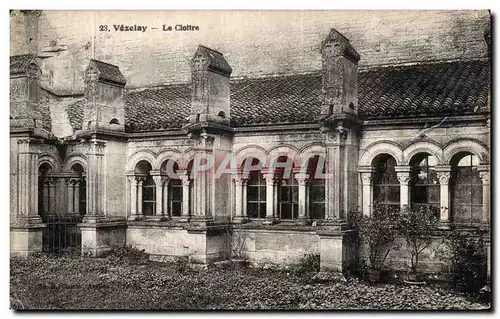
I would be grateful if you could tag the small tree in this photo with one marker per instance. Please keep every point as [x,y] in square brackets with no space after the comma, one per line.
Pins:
[466,256]
[416,226]
[378,233]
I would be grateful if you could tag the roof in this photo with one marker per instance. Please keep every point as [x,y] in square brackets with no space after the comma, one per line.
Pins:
[108,72]
[18,63]
[454,88]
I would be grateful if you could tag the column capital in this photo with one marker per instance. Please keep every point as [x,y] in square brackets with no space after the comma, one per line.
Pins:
[140,179]
[51,181]
[403,177]
[444,177]
[485,177]
[366,178]
[301,178]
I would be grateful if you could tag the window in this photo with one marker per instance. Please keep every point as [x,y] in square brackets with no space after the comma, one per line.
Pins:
[256,195]
[466,189]
[43,193]
[82,205]
[148,189]
[424,182]
[288,190]
[316,187]
[385,182]
[175,197]
[148,196]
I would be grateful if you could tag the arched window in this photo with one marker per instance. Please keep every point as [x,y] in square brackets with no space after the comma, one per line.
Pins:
[316,172]
[424,182]
[256,190]
[79,189]
[146,189]
[466,189]
[43,191]
[385,182]
[171,169]
[288,191]
[148,196]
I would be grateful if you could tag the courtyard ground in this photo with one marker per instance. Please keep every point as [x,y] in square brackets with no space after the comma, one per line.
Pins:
[46,282]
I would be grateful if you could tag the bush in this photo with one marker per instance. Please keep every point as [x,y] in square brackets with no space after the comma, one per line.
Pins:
[468,261]
[307,263]
[416,227]
[377,233]
[128,254]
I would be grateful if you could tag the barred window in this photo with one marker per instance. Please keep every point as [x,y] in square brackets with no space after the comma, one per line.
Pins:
[385,182]
[424,182]
[316,171]
[466,189]
[175,197]
[148,196]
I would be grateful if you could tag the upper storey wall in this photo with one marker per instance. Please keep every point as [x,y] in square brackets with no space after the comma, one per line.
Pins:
[254,43]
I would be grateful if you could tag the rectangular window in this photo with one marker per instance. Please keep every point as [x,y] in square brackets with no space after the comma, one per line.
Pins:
[175,197]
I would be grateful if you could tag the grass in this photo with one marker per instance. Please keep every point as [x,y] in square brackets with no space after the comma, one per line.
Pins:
[46,282]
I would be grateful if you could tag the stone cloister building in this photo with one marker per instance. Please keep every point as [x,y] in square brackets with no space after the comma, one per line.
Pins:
[414,134]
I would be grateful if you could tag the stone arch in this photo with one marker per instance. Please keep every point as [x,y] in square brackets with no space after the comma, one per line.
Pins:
[381,147]
[466,145]
[283,150]
[249,151]
[75,159]
[142,155]
[51,160]
[429,147]
[169,154]
[187,156]
[310,151]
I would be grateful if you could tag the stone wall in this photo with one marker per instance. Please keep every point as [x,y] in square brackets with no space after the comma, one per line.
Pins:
[265,246]
[254,43]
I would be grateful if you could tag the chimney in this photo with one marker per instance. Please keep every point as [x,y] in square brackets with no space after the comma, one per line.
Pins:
[25,92]
[339,94]
[210,75]
[104,97]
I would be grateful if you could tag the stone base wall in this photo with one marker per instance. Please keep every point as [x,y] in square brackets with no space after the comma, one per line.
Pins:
[167,242]
[269,246]
[97,238]
[25,241]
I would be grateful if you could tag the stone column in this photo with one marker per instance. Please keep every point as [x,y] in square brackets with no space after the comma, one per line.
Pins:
[270,198]
[245,201]
[240,200]
[140,181]
[133,197]
[166,209]
[443,174]
[484,173]
[28,180]
[95,181]
[26,227]
[403,174]
[185,197]
[71,195]
[302,179]
[52,195]
[159,200]
[367,191]
[77,196]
